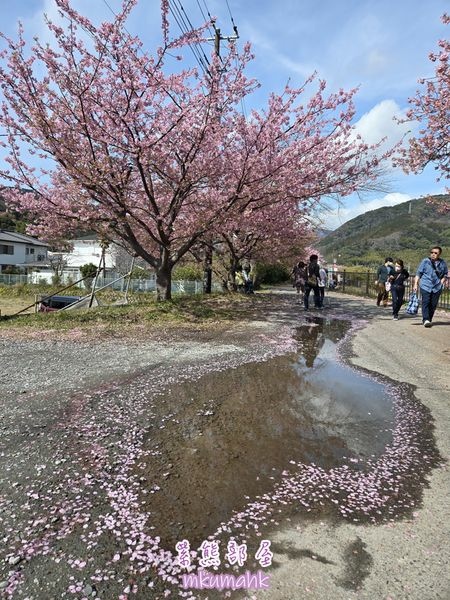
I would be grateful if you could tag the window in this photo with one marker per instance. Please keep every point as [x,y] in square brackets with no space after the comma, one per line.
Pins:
[31,250]
[6,249]
[27,251]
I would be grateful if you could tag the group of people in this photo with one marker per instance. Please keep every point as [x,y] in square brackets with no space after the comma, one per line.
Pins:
[430,278]
[307,278]
[391,277]
[243,280]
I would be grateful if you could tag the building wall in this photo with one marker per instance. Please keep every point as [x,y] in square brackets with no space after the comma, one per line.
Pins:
[88,251]
[22,253]
[18,255]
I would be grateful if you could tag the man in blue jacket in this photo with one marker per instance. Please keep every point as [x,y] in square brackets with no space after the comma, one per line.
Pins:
[432,274]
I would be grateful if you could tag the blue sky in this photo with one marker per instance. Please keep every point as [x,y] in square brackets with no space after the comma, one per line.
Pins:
[382,46]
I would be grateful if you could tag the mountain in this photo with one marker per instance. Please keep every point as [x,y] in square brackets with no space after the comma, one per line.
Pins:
[405,231]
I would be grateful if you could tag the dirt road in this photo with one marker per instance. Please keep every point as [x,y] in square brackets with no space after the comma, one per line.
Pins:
[100,441]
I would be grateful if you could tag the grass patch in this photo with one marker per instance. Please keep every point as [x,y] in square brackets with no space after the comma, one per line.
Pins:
[143,310]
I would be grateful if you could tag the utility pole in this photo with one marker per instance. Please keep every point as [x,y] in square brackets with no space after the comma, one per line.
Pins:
[218,37]
[208,247]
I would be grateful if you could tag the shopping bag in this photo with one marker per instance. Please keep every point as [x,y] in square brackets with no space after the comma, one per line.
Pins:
[413,304]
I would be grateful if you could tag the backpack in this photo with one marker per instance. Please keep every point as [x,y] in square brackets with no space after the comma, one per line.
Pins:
[312,280]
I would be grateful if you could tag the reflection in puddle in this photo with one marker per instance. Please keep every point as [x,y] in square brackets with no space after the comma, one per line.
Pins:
[340,400]
[237,431]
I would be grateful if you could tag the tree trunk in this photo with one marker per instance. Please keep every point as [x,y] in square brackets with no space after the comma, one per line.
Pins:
[234,266]
[164,283]
[207,269]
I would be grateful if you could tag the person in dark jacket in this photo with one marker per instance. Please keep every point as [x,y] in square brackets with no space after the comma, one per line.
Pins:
[383,273]
[398,280]
[312,282]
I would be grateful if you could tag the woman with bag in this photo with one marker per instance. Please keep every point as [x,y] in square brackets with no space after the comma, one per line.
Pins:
[299,276]
[397,287]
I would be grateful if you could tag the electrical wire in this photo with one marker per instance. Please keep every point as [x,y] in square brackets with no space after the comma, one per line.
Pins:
[177,14]
[105,2]
[185,25]
[207,10]
[231,17]
[205,19]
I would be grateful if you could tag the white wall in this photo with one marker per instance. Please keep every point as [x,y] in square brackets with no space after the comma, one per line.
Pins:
[88,251]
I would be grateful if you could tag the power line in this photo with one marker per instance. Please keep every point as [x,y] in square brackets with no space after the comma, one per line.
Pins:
[232,20]
[105,2]
[185,25]
[181,22]
[207,10]
[205,19]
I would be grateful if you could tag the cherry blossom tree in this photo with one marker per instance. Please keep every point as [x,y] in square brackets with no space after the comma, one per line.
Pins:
[264,236]
[431,108]
[153,158]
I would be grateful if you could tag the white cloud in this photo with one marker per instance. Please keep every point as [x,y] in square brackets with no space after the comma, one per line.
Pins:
[335,218]
[380,122]
[290,64]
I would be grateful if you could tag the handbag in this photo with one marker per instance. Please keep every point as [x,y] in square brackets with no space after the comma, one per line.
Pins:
[312,280]
[387,286]
[413,304]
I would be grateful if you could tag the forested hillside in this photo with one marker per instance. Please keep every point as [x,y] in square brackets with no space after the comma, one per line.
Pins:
[10,220]
[404,231]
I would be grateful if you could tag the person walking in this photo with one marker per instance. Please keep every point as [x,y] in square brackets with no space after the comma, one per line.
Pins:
[248,281]
[397,281]
[312,282]
[299,276]
[323,276]
[239,280]
[431,274]
[383,274]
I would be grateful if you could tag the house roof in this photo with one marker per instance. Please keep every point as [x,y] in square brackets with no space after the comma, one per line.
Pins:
[20,238]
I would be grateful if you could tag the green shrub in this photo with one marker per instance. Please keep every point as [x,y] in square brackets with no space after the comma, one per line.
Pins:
[139,273]
[271,274]
[187,273]
[11,270]
[88,270]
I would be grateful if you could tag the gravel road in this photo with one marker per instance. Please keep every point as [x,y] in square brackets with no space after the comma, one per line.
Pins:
[79,417]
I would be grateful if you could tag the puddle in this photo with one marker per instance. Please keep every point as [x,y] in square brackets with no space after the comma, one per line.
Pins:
[236,431]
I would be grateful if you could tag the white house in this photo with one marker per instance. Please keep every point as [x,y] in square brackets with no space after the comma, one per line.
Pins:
[87,249]
[84,250]
[22,251]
